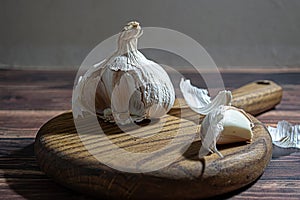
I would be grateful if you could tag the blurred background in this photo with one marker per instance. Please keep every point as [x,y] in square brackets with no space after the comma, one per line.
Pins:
[48,34]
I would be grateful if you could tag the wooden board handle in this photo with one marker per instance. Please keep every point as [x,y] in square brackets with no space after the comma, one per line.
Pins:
[257,97]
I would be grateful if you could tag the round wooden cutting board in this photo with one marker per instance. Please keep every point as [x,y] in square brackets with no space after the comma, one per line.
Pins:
[81,161]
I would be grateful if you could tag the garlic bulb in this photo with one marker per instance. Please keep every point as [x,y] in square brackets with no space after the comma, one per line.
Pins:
[223,125]
[129,87]
[198,99]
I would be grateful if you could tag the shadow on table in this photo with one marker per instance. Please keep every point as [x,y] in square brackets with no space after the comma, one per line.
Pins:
[22,174]
[233,193]
[24,177]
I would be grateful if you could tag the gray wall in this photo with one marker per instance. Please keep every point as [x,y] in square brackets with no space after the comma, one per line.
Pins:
[59,34]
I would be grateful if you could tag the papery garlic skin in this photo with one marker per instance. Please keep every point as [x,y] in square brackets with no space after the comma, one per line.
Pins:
[285,135]
[128,85]
[224,125]
[199,100]
[211,128]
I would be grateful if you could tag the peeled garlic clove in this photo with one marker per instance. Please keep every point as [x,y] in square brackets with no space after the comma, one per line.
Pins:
[285,135]
[224,125]
[198,99]
[127,83]
[236,128]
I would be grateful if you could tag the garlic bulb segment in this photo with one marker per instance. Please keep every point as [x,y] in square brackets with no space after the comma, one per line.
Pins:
[129,87]
[237,127]
[285,135]
[224,125]
[199,100]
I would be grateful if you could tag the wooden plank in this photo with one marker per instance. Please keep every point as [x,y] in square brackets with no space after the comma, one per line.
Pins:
[35,99]
[20,175]
[39,77]
[44,90]
[15,77]
[21,178]
[260,70]
[23,123]
[275,190]
[25,188]
[272,117]
[29,98]
[20,153]
[284,168]
[231,81]
[291,98]
[36,90]
[60,99]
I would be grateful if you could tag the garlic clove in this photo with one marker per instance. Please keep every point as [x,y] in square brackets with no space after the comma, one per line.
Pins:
[120,98]
[199,100]
[237,128]
[224,125]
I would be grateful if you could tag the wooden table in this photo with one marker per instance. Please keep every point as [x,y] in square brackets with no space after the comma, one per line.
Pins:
[30,98]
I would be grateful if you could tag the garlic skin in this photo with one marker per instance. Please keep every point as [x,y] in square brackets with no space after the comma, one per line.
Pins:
[198,99]
[211,128]
[129,87]
[224,125]
[285,135]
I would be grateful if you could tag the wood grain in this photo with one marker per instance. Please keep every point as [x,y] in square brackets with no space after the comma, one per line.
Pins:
[281,178]
[63,155]
[257,97]
[22,123]
[59,135]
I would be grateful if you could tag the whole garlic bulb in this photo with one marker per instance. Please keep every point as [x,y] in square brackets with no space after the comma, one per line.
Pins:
[129,86]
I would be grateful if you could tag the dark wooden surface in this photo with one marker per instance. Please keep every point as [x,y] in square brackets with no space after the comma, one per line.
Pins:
[30,98]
